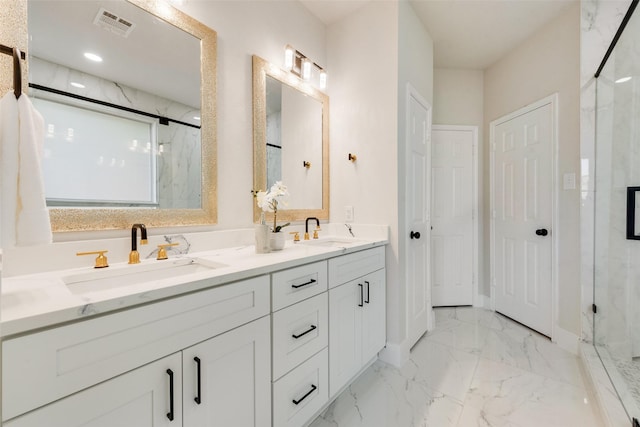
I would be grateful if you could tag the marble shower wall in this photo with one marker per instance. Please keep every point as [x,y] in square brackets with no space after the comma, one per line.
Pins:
[179,163]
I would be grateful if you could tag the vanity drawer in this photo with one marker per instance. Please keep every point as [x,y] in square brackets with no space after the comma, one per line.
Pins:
[45,366]
[308,386]
[295,284]
[299,332]
[349,267]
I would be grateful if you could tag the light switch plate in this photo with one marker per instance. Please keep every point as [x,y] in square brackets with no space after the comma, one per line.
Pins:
[348,213]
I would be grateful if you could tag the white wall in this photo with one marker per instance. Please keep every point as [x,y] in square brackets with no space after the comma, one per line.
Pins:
[458,97]
[363,58]
[546,63]
[372,54]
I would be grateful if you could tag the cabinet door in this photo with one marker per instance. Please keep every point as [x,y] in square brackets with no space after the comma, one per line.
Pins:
[138,398]
[345,325]
[374,325]
[233,385]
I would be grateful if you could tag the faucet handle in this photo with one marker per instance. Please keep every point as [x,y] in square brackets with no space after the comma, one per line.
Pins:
[162,250]
[315,232]
[101,260]
[296,237]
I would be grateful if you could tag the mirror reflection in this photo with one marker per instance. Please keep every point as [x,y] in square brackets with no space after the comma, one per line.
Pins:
[119,89]
[294,139]
[122,86]
[291,141]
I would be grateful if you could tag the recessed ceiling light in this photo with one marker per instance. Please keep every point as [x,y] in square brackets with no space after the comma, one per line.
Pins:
[78,85]
[623,79]
[92,57]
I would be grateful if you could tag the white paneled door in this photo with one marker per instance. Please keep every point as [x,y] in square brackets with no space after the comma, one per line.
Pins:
[522,198]
[452,214]
[417,205]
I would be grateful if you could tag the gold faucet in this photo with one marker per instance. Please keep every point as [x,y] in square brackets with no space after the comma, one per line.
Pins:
[306,227]
[101,260]
[134,256]
[296,236]
[162,250]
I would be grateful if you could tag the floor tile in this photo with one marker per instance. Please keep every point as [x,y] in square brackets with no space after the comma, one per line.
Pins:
[441,368]
[475,369]
[383,397]
[460,335]
[504,395]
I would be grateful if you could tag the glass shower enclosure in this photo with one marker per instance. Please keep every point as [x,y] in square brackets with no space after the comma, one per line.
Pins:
[617,216]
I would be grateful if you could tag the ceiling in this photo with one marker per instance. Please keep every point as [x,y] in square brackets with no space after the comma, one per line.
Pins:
[470,34]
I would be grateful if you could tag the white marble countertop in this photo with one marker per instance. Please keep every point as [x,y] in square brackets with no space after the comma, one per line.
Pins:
[42,300]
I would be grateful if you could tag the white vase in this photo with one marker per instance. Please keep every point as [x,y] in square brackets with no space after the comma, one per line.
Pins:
[263,244]
[277,241]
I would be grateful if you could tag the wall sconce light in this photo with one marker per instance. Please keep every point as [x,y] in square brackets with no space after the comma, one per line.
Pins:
[306,164]
[298,63]
[352,157]
[289,54]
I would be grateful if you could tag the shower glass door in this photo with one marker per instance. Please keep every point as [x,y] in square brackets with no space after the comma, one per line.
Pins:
[617,257]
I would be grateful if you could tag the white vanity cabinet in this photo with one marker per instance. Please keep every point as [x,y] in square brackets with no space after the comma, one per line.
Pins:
[300,337]
[138,398]
[227,379]
[357,321]
[110,370]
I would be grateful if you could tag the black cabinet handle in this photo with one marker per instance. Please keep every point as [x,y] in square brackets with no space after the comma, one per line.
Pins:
[367,300]
[198,399]
[361,296]
[542,232]
[312,328]
[170,414]
[414,234]
[313,388]
[304,284]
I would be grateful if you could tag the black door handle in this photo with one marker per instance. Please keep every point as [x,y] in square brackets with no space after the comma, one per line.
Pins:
[312,328]
[361,304]
[198,398]
[313,388]
[414,234]
[170,413]
[367,300]
[542,232]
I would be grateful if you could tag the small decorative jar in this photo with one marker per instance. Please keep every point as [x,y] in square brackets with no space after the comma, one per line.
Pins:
[277,241]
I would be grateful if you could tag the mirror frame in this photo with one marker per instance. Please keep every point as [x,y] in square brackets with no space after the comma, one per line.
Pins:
[77,219]
[262,69]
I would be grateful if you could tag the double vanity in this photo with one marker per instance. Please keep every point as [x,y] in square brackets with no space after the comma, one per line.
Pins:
[222,337]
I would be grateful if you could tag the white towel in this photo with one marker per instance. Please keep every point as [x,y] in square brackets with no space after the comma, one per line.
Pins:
[25,217]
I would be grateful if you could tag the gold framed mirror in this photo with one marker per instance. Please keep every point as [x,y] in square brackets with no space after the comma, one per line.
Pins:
[290,141]
[191,106]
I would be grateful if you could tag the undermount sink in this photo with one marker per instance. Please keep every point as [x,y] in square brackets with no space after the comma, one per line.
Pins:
[118,277]
[333,242]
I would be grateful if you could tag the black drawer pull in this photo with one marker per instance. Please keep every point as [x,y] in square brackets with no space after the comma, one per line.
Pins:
[367,300]
[170,414]
[313,388]
[198,399]
[310,282]
[312,328]
[361,296]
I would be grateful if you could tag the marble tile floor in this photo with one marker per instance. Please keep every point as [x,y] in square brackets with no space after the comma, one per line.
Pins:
[476,368]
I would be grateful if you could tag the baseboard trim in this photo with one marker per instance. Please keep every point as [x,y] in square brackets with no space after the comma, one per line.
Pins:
[567,340]
[483,301]
[394,354]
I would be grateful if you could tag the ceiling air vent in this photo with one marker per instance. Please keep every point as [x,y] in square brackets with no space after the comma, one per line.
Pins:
[114,23]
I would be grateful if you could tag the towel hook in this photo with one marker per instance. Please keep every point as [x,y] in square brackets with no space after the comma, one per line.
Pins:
[17,73]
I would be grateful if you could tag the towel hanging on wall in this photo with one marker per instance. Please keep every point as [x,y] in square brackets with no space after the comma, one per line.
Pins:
[24,217]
